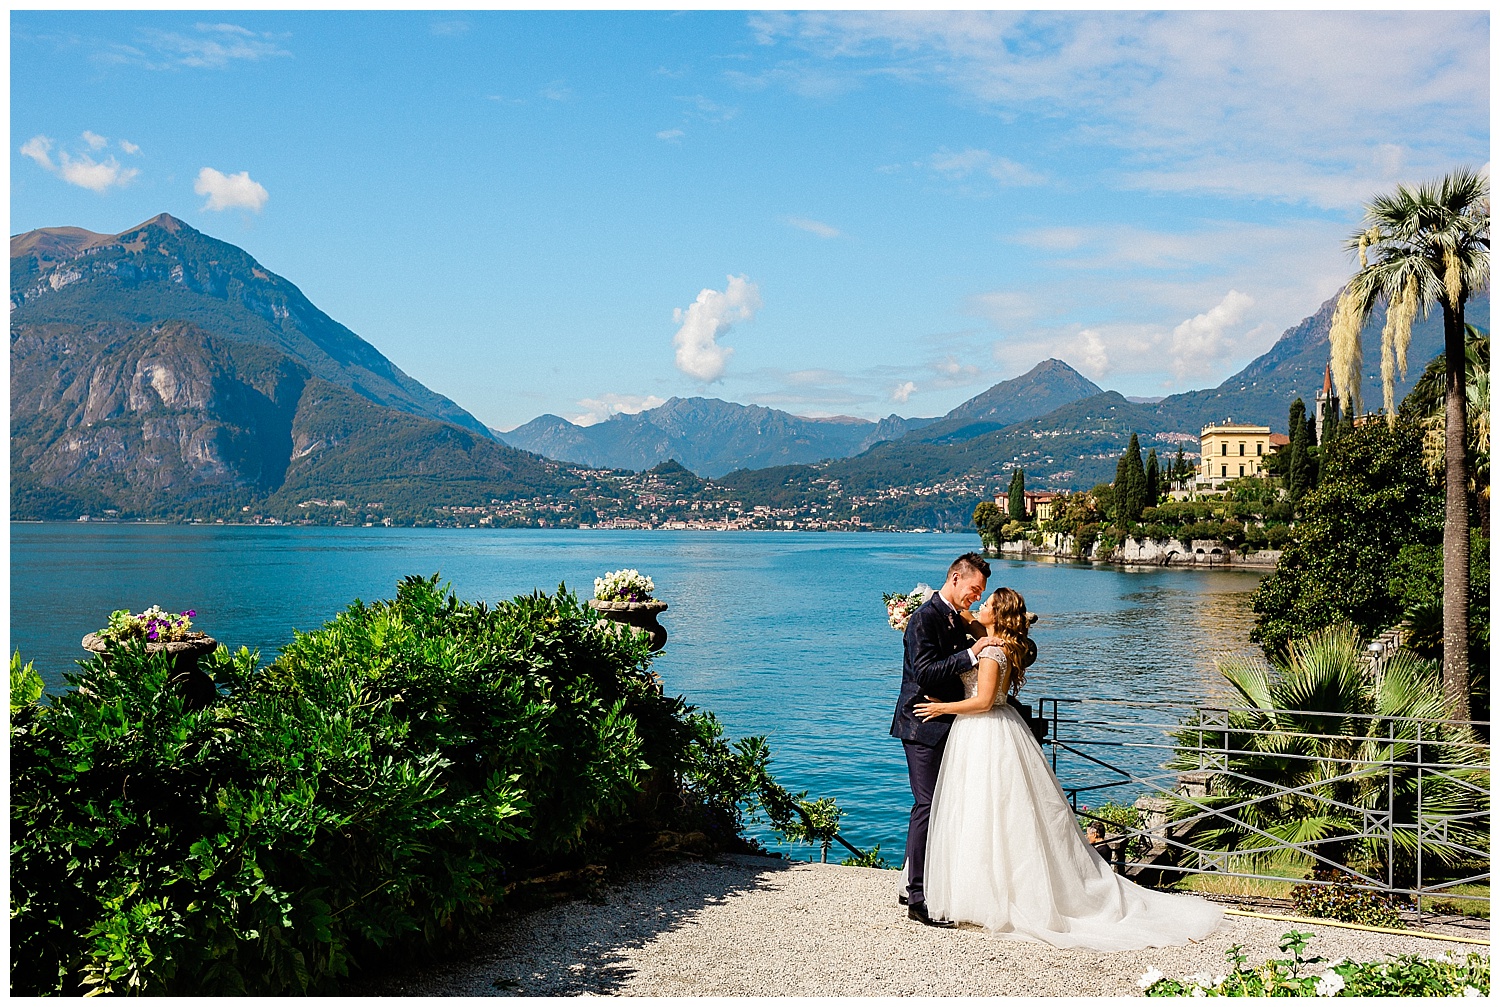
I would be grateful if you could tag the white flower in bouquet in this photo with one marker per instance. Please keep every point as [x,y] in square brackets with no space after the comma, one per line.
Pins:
[899,607]
[624,585]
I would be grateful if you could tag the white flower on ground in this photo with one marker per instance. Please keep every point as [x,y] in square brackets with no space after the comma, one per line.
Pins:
[1150,978]
[1202,979]
[1470,991]
[1329,984]
[1198,992]
[1219,980]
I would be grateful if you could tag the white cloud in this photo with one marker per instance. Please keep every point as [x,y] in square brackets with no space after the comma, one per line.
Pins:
[1199,343]
[902,392]
[448,27]
[212,46]
[94,140]
[226,192]
[85,172]
[958,165]
[38,148]
[1290,105]
[709,110]
[817,227]
[1092,356]
[556,91]
[669,134]
[79,169]
[607,405]
[951,372]
[129,147]
[699,354]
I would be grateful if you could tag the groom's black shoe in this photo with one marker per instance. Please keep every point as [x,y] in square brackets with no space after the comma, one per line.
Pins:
[918,911]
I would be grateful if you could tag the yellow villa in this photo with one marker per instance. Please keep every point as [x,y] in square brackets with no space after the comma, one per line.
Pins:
[1230,450]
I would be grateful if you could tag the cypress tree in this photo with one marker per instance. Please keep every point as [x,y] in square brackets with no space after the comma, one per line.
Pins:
[1135,494]
[1296,467]
[1153,480]
[1180,470]
[1017,498]
[1299,475]
[1121,487]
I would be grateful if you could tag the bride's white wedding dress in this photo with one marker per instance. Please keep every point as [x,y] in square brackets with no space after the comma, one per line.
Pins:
[1004,849]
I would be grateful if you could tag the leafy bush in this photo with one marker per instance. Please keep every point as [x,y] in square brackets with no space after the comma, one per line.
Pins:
[369,797]
[26,684]
[1405,975]
[870,858]
[1341,901]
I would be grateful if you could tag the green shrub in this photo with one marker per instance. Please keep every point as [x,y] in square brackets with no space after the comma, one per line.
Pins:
[1404,975]
[26,685]
[1341,901]
[1085,537]
[368,798]
[870,858]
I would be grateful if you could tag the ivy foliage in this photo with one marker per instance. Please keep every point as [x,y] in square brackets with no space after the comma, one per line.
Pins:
[369,797]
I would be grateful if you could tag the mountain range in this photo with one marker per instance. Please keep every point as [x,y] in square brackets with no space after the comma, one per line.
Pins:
[708,436]
[162,372]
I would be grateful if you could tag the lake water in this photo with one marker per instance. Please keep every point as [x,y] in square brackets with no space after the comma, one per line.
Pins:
[781,634]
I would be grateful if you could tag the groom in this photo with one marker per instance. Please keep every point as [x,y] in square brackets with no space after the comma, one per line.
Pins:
[938,650]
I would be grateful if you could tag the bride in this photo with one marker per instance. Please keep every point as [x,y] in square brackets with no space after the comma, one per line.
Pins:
[1004,849]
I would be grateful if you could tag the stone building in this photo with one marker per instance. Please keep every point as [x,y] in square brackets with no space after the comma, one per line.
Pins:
[1231,450]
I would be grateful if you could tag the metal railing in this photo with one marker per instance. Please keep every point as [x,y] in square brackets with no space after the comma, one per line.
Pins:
[1402,791]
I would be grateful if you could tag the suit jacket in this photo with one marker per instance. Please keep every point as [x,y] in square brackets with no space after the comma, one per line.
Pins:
[935,642]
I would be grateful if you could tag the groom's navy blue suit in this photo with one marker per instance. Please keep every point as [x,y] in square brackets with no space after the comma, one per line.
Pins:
[936,645]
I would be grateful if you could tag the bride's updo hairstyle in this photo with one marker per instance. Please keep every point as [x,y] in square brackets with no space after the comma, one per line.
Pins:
[1012,625]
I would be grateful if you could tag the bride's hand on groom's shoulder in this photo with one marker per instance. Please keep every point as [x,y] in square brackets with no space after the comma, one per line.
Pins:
[983,642]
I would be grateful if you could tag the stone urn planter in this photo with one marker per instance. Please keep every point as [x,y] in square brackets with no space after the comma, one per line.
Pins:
[192,683]
[638,616]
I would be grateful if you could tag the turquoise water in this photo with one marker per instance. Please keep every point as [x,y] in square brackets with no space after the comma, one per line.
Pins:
[782,634]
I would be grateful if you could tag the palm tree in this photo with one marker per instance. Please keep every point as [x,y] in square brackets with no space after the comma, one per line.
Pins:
[1322,747]
[1425,405]
[1424,246]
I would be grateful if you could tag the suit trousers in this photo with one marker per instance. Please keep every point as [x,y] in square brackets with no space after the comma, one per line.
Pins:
[922,762]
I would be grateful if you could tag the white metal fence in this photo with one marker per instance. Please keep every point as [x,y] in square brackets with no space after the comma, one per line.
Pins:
[1396,805]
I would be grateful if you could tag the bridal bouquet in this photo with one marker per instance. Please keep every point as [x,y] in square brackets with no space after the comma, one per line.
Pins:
[899,607]
[152,625]
[623,585]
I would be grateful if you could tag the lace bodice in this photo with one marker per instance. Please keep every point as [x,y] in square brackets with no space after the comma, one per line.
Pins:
[970,678]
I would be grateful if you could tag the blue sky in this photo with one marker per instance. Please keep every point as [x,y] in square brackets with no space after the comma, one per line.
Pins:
[831,213]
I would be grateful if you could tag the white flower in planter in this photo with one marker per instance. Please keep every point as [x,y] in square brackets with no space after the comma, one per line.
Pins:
[1470,991]
[1150,978]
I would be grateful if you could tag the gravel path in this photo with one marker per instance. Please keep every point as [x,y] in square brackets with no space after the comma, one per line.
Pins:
[752,926]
